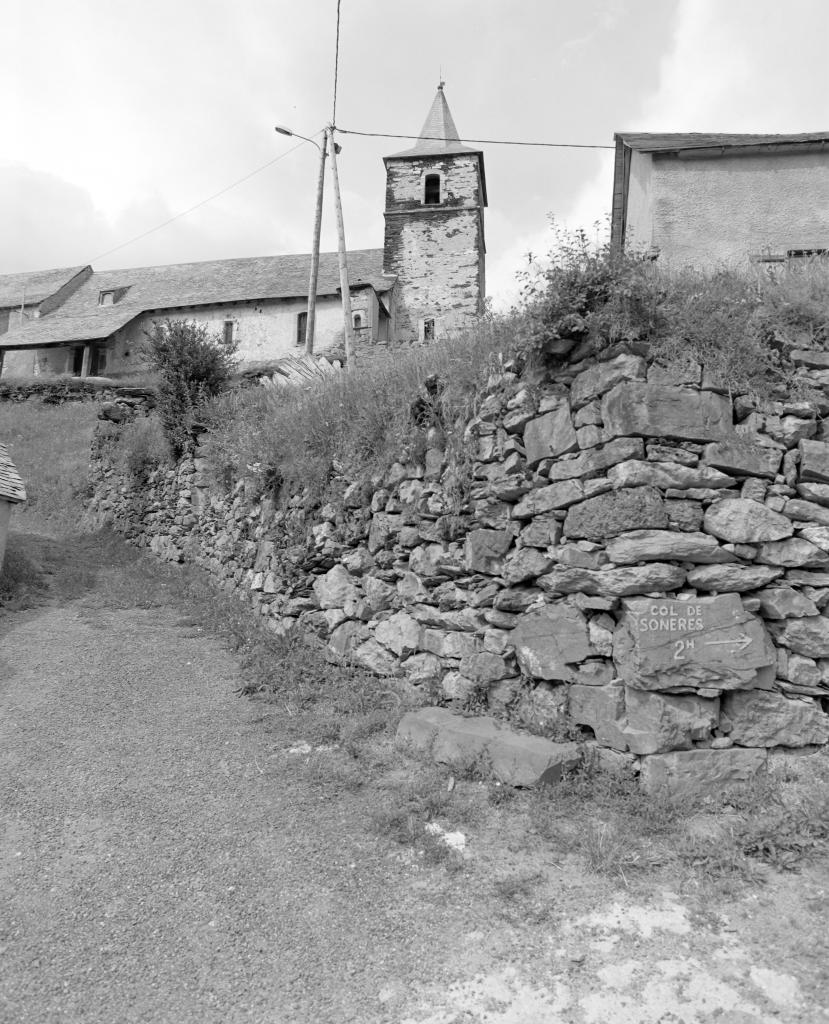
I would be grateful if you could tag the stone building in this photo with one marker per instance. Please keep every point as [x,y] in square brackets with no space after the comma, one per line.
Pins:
[12,492]
[426,282]
[435,199]
[708,200]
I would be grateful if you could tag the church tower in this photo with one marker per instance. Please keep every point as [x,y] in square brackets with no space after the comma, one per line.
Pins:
[434,240]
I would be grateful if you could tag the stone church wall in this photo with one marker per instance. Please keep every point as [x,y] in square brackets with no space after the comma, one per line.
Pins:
[623,556]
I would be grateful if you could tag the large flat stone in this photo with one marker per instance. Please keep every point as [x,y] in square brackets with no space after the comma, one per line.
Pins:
[785,603]
[700,771]
[400,633]
[762,718]
[657,722]
[742,521]
[484,550]
[547,499]
[602,709]
[483,744]
[667,474]
[599,379]
[807,511]
[793,553]
[814,461]
[706,642]
[550,435]
[593,463]
[731,579]
[335,588]
[743,458]
[818,493]
[607,515]
[808,635]
[548,642]
[647,410]
[655,577]
[659,545]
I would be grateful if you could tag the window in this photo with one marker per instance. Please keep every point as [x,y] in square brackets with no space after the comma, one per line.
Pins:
[357,321]
[429,329]
[301,325]
[431,190]
[805,254]
[229,331]
[110,296]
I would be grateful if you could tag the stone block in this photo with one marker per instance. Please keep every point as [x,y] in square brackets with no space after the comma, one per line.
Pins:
[601,709]
[701,770]
[484,667]
[608,515]
[599,379]
[418,729]
[793,553]
[664,644]
[550,640]
[647,410]
[521,760]
[546,499]
[660,545]
[808,635]
[593,463]
[400,633]
[656,723]
[634,473]
[462,742]
[732,578]
[742,521]
[806,511]
[525,564]
[761,718]
[654,577]
[373,656]
[785,603]
[550,435]
[743,458]
[423,669]
[484,550]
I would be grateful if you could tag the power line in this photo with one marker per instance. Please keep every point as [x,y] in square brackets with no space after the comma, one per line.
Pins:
[488,142]
[196,206]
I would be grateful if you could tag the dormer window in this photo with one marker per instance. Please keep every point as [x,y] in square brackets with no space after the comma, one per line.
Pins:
[431,190]
[111,296]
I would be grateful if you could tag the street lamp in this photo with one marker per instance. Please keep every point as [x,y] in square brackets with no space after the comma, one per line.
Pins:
[315,251]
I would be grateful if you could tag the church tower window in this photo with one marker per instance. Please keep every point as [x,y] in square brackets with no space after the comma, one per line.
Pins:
[431,190]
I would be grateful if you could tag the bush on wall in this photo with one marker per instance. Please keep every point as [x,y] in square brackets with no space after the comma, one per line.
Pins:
[193,366]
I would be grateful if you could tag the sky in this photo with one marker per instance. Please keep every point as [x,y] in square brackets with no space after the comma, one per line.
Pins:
[117,117]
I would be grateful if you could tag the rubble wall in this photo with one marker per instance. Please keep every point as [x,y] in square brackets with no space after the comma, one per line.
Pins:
[623,554]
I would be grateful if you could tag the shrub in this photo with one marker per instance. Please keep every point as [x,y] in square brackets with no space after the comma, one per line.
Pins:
[192,366]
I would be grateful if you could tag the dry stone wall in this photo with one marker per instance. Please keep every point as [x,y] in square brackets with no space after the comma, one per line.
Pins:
[622,554]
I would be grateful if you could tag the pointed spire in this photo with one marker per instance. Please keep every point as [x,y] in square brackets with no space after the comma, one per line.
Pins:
[438,134]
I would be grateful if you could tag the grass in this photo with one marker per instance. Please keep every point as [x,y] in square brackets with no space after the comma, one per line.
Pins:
[49,445]
[349,423]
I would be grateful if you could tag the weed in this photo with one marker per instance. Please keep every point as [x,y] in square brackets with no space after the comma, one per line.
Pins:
[518,886]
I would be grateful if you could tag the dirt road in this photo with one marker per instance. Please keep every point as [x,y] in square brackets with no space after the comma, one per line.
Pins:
[164,857]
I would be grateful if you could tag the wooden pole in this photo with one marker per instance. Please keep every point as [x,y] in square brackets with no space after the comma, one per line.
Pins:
[348,324]
[315,254]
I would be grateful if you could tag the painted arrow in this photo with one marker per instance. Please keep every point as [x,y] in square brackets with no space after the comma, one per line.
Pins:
[740,642]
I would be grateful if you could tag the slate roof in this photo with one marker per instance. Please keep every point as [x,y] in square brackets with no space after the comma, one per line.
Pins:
[34,286]
[438,136]
[668,142]
[81,318]
[11,486]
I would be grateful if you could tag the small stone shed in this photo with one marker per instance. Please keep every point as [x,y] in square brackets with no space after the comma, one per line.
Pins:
[12,491]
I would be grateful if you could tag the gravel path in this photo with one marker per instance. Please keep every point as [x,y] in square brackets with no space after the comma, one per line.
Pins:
[165,859]
[158,861]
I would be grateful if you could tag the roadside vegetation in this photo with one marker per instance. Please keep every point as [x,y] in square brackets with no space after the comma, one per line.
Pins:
[355,424]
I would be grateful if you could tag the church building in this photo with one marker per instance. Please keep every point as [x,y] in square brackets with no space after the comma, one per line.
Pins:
[427,282]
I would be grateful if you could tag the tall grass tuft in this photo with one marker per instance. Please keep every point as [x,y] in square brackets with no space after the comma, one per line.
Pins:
[351,423]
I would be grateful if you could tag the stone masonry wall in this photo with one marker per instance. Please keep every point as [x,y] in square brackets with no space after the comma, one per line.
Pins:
[623,554]
[437,252]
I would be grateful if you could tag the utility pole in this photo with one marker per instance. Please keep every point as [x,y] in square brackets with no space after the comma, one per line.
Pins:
[348,323]
[315,254]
